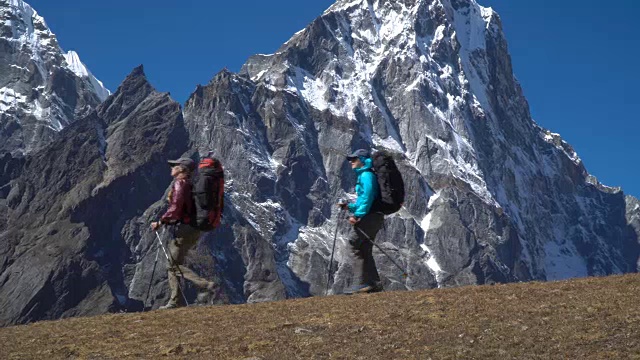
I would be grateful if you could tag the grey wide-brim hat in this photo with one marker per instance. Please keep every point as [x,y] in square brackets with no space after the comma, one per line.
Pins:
[186,162]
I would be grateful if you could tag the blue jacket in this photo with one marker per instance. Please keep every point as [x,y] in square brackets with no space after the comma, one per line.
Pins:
[366,188]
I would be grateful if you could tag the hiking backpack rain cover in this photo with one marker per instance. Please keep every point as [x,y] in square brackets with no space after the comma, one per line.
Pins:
[208,193]
[390,183]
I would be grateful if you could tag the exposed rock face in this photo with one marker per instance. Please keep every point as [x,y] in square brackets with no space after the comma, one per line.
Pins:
[42,89]
[64,245]
[491,196]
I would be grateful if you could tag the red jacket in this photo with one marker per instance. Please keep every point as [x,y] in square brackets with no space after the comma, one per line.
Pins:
[181,206]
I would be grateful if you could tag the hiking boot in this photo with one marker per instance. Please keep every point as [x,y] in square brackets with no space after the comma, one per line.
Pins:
[376,288]
[364,289]
[170,305]
[358,289]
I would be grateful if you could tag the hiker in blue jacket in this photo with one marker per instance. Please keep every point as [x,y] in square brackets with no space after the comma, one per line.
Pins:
[366,223]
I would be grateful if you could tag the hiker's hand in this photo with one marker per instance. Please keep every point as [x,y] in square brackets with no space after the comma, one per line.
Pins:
[353,220]
[343,204]
[155,225]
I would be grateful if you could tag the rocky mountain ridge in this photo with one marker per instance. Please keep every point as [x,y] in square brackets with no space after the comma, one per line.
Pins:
[492,197]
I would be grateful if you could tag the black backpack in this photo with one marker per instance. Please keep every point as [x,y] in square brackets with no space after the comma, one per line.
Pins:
[390,183]
[208,194]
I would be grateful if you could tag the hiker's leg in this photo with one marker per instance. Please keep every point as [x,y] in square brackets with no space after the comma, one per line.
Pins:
[356,240]
[189,237]
[370,224]
[370,274]
[176,255]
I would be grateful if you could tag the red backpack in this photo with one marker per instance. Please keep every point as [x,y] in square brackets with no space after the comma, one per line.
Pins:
[208,194]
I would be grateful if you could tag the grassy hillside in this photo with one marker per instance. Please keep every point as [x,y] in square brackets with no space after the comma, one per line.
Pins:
[593,318]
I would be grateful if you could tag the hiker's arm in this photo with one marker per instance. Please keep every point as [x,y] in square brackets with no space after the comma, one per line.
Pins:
[174,213]
[353,207]
[365,200]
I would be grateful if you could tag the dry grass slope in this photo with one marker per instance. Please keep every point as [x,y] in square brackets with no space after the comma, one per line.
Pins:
[592,318]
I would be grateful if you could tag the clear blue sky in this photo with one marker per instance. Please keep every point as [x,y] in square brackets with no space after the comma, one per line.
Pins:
[576,59]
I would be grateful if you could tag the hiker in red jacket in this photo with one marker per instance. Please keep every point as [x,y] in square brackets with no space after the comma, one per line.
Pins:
[179,217]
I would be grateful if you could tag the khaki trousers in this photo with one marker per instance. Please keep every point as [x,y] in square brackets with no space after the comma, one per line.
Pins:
[184,239]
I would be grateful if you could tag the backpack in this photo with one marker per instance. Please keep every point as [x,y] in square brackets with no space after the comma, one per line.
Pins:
[208,194]
[390,183]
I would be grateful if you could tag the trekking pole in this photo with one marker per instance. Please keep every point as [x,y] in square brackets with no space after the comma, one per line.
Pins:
[335,236]
[172,263]
[404,272]
[151,280]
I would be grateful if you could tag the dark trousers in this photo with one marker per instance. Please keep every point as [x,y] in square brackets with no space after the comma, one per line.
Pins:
[360,238]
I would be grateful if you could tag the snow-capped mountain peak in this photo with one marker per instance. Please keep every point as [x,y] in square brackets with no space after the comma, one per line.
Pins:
[42,89]
[74,64]
[490,196]
[431,80]
[25,28]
